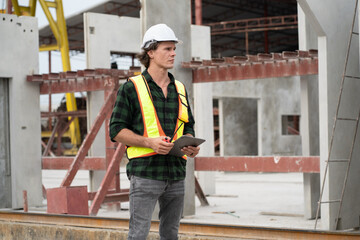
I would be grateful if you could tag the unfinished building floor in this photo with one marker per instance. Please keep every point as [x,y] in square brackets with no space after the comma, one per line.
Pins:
[247,199]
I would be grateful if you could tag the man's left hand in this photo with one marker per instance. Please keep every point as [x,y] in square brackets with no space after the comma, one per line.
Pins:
[191,151]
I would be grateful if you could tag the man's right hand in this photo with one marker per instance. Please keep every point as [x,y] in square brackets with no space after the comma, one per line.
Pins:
[160,145]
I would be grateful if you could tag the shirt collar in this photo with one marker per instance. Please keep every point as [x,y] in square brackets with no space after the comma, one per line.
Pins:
[148,78]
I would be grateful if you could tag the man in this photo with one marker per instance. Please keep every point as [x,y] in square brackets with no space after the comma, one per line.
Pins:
[151,111]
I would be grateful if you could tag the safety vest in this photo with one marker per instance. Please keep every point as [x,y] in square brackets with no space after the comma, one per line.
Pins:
[152,127]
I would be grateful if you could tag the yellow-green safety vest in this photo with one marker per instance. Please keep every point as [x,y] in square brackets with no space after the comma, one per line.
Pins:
[152,127]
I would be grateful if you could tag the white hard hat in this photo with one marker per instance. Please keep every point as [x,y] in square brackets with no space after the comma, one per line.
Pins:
[159,33]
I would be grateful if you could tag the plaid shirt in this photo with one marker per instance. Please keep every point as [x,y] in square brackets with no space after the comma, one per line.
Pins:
[127,114]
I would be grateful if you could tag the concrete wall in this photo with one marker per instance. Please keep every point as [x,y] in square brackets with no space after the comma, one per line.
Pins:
[333,30]
[239,126]
[309,121]
[275,97]
[19,51]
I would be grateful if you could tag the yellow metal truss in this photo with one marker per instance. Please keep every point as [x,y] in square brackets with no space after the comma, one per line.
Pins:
[58,28]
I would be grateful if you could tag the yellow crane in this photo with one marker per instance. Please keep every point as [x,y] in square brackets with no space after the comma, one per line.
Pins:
[58,27]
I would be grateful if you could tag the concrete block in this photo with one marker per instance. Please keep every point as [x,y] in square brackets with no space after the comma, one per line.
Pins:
[68,200]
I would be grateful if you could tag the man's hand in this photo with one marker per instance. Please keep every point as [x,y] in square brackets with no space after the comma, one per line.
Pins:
[160,145]
[191,151]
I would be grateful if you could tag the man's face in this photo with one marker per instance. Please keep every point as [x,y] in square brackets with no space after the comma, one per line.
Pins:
[163,56]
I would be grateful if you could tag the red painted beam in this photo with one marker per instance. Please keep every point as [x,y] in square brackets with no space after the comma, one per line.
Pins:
[91,195]
[110,174]
[253,24]
[75,85]
[283,68]
[80,81]
[79,113]
[84,148]
[258,66]
[64,163]
[259,164]
[116,197]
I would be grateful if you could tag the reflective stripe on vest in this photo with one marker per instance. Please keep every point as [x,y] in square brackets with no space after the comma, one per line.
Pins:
[152,127]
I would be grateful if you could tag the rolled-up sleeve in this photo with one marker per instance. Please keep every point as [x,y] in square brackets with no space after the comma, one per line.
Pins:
[121,116]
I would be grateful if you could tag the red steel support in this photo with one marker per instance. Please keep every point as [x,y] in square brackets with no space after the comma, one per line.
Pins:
[110,147]
[110,173]
[25,198]
[49,151]
[257,66]
[198,12]
[64,163]
[266,35]
[112,192]
[52,137]
[200,194]
[75,166]
[9,7]
[80,81]
[259,164]
[254,25]
[50,102]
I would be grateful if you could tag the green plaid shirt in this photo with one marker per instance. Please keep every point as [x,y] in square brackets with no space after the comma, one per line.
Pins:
[127,114]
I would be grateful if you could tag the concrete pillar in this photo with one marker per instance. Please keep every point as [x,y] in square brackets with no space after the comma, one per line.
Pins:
[309,121]
[333,29]
[19,41]
[203,105]
[5,164]
[157,11]
[100,41]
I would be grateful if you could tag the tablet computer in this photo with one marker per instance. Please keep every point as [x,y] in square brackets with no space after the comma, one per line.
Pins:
[184,141]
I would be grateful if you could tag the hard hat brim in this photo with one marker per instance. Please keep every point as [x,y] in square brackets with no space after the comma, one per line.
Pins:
[148,43]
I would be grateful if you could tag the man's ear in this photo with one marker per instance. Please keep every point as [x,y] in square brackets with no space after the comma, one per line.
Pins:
[150,53]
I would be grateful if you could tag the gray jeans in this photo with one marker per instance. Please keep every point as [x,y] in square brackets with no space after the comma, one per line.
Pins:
[143,196]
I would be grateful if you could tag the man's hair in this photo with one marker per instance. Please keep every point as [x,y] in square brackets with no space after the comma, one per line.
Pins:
[144,57]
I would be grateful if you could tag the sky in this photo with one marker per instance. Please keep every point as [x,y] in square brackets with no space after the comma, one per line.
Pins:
[77,61]
[71,7]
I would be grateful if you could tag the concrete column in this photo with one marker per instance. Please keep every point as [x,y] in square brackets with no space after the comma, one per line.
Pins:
[5,164]
[309,120]
[333,28]
[100,41]
[19,43]
[157,11]
[203,105]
